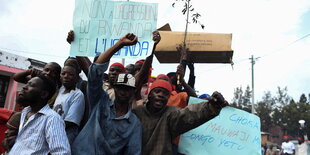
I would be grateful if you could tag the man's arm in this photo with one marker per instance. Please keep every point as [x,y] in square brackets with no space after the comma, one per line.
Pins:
[192,77]
[56,136]
[188,89]
[26,75]
[144,73]
[127,40]
[96,70]
[194,115]
[84,62]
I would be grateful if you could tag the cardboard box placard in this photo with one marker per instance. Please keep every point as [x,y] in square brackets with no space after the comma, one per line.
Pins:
[203,47]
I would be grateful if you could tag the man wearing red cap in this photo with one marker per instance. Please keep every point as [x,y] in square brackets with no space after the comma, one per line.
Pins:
[114,70]
[138,65]
[162,123]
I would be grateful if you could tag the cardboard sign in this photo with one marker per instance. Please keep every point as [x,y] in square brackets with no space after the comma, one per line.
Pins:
[234,131]
[98,25]
[204,47]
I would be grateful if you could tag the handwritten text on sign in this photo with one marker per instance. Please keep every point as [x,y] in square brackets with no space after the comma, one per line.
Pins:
[98,25]
[234,131]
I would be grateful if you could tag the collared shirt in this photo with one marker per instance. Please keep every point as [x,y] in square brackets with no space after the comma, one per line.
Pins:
[161,128]
[104,132]
[43,133]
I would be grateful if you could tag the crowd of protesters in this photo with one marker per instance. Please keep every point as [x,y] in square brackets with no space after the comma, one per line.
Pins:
[124,111]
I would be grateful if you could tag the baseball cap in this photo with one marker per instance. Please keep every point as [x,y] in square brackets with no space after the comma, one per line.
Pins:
[126,80]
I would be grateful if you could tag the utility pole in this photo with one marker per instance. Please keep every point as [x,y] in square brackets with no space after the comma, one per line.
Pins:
[253,62]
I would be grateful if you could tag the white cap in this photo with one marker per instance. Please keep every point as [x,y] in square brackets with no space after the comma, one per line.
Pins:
[126,80]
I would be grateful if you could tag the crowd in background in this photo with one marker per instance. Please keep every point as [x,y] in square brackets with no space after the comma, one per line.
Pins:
[118,110]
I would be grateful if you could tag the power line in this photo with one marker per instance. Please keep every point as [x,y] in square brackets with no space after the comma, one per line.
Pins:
[272,52]
[289,44]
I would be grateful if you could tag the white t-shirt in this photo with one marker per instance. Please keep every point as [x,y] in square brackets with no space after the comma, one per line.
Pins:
[288,147]
[70,106]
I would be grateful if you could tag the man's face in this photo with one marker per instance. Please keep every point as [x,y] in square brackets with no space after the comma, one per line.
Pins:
[113,72]
[123,94]
[50,71]
[31,92]
[158,98]
[68,77]
[130,69]
[138,66]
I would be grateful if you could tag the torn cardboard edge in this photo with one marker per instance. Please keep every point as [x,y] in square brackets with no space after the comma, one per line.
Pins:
[203,47]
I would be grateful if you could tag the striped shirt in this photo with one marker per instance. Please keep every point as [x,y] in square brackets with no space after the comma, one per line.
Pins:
[43,133]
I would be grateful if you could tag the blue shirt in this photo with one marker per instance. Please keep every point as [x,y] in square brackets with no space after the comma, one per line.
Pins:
[43,133]
[104,132]
[70,106]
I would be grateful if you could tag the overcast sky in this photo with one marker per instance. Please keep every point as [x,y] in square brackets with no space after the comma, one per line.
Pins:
[269,29]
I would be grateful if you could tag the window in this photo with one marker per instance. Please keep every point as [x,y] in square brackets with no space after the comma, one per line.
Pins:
[4,85]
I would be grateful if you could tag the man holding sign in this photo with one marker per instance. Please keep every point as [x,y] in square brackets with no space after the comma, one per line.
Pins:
[162,123]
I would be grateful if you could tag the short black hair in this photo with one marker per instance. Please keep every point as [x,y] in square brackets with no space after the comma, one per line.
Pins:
[57,66]
[48,85]
[75,66]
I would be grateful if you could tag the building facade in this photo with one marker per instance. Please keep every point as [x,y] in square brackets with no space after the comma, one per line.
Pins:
[9,65]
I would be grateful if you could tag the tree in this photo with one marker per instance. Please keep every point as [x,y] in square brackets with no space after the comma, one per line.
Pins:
[242,100]
[268,99]
[291,114]
[263,111]
[238,96]
[282,97]
[277,116]
[303,98]
[246,100]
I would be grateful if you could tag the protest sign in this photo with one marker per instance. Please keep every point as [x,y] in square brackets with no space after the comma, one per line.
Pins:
[233,131]
[98,24]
